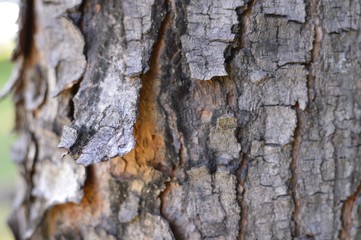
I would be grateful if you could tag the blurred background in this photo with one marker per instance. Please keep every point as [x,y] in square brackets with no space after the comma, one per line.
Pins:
[9,11]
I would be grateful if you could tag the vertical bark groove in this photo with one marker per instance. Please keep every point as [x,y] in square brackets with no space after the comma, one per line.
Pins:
[146,133]
[26,46]
[241,179]
[312,10]
[294,172]
[177,233]
[78,20]
[148,137]
[243,43]
[245,25]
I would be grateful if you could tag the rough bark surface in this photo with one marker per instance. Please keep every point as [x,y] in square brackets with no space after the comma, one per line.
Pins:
[119,137]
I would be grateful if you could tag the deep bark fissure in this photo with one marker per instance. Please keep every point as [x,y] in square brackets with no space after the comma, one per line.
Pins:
[346,214]
[245,22]
[313,17]
[333,139]
[295,153]
[177,233]
[30,171]
[244,42]
[75,88]
[32,168]
[147,104]
[74,91]
[240,190]
[313,13]
[149,107]
[242,30]
[26,45]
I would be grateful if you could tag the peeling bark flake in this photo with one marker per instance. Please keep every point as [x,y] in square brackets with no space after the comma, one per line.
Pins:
[104,121]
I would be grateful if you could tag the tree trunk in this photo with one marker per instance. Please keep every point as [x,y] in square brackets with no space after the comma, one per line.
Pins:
[188,119]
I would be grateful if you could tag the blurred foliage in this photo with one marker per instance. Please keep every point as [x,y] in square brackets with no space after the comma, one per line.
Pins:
[7,168]
[5,53]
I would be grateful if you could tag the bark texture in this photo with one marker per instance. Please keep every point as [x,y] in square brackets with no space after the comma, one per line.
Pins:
[170,119]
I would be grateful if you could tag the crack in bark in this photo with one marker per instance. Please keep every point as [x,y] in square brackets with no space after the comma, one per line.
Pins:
[332,140]
[313,12]
[241,179]
[145,131]
[242,171]
[241,39]
[146,124]
[30,170]
[147,119]
[296,147]
[346,214]
[75,88]
[26,46]
[177,233]
[245,22]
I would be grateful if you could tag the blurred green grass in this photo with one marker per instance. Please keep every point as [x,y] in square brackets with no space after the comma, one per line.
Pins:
[7,168]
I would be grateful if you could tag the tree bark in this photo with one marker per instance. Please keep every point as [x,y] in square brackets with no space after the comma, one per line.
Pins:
[188,119]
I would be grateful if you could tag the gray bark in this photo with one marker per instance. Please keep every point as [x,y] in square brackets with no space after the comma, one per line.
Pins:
[188,119]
